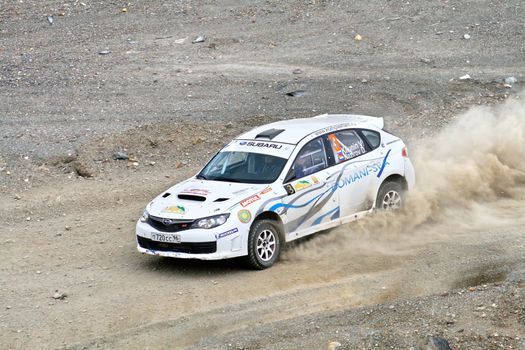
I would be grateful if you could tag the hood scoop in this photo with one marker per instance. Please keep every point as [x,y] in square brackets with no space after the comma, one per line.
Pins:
[191,197]
[167,194]
[221,199]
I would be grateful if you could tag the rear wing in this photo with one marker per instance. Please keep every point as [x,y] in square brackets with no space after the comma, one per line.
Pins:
[378,122]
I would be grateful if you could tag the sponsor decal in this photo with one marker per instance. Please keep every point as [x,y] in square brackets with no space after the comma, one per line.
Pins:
[195,191]
[175,209]
[289,189]
[332,128]
[266,190]
[315,179]
[374,168]
[301,185]
[260,144]
[227,233]
[244,216]
[250,200]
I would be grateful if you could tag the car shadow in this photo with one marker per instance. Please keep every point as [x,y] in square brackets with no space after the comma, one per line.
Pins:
[196,267]
[192,267]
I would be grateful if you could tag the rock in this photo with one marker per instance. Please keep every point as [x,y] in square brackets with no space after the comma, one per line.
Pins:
[358,37]
[81,169]
[104,52]
[120,156]
[465,77]
[432,343]
[425,60]
[17,197]
[180,41]
[466,36]
[198,140]
[43,168]
[333,345]
[296,93]
[59,296]
[297,71]
[50,19]
[511,80]
[200,39]
[68,228]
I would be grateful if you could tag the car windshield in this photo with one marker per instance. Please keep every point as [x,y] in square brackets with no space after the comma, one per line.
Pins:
[243,167]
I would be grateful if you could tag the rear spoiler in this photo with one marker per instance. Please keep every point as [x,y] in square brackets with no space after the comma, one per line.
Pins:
[378,122]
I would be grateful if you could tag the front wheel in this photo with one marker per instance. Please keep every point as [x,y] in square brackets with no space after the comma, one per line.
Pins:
[264,245]
[390,196]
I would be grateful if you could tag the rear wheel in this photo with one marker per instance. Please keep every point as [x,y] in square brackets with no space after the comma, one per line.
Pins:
[264,245]
[390,196]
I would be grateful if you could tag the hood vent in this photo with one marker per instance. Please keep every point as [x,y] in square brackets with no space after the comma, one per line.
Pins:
[167,194]
[191,197]
[269,134]
[221,199]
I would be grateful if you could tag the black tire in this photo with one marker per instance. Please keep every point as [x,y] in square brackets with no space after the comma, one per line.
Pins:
[264,245]
[390,196]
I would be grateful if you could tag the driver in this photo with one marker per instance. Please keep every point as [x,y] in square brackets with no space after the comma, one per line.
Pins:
[269,167]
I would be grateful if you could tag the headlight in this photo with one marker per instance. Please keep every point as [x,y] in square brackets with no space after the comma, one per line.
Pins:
[210,222]
[144,216]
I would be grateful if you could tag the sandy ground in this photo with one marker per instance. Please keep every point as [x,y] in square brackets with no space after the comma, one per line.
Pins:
[451,265]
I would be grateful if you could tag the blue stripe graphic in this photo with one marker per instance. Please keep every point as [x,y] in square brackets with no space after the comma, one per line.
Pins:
[287,206]
[319,219]
[384,164]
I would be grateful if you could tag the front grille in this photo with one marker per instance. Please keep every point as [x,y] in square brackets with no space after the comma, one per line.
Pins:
[176,226]
[184,247]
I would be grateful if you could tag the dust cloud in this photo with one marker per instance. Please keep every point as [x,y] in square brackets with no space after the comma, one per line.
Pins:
[472,173]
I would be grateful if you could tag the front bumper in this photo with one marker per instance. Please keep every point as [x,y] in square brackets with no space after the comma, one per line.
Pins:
[203,244]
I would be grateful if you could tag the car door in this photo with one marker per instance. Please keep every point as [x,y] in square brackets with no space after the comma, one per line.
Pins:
[356,165]
[311,200]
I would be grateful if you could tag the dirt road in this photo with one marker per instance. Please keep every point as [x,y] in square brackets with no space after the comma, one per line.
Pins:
[451,265]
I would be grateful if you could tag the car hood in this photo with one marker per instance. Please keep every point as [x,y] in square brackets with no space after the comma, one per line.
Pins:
[193,199]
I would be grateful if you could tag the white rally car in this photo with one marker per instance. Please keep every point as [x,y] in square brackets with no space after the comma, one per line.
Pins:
[277,183]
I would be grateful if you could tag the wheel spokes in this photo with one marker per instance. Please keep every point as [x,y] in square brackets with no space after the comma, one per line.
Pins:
[391,201]
[266,245]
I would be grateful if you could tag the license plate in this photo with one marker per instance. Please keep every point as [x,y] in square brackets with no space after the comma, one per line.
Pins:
[161,237]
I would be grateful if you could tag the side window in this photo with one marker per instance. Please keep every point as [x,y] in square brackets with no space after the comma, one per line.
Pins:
[311,159]
[373,138]
[346,144]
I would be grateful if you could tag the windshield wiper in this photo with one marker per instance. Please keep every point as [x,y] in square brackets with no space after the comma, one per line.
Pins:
[200,176]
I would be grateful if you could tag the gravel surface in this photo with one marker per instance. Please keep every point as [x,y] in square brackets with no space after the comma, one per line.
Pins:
[84,83]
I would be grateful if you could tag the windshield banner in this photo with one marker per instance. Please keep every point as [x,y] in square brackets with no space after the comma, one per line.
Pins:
[277,149]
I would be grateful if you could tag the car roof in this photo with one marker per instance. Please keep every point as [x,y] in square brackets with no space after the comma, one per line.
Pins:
[292,131]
